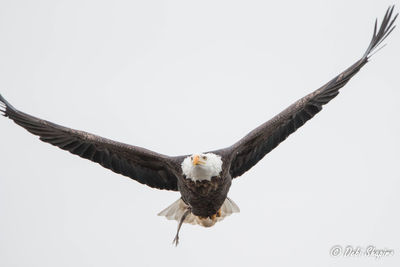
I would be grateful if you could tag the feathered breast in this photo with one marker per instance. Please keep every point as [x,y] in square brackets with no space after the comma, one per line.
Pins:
[203,187]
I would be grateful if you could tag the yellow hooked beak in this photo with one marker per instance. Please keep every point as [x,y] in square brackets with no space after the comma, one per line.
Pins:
[196,160]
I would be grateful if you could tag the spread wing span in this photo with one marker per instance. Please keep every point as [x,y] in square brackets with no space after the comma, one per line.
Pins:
[254,146]
[142,165]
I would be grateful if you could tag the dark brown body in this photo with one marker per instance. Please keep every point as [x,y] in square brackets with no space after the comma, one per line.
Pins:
[205,197]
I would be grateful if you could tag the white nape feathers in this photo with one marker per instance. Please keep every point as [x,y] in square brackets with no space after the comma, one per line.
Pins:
[201,166]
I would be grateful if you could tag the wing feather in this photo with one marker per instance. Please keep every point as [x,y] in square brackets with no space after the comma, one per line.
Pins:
[145,166]
[253,147]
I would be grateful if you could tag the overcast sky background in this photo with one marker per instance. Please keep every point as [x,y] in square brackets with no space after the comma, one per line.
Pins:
[180,77]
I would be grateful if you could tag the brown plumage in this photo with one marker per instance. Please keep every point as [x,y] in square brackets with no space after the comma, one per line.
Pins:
[205,197]
[202,198]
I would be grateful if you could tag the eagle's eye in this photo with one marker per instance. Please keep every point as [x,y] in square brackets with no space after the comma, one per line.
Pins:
[191,157]
[204,157]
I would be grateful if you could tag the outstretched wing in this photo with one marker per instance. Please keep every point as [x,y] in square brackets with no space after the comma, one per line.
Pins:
[142,165]
[254,146]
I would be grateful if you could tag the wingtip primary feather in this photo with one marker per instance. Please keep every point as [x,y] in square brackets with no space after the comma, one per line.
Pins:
[3,105]
[379,35]
[6,107]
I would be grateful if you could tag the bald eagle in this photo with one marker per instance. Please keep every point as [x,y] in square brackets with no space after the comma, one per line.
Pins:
[203,179]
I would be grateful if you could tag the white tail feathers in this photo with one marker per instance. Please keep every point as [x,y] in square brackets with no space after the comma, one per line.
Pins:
[176,210]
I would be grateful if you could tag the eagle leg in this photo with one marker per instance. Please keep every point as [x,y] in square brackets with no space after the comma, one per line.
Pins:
[216,215]
[176,239]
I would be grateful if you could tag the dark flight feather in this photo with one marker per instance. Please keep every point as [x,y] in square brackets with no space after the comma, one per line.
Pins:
[142,165]
[253,147]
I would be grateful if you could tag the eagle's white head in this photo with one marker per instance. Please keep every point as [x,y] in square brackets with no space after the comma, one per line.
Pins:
[199,166]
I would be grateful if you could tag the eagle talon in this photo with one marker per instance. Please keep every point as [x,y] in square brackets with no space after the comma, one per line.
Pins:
[219,213]
[216,215]
[176,240]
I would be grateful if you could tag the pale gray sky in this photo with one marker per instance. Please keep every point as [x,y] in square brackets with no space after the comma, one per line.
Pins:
[179,77]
